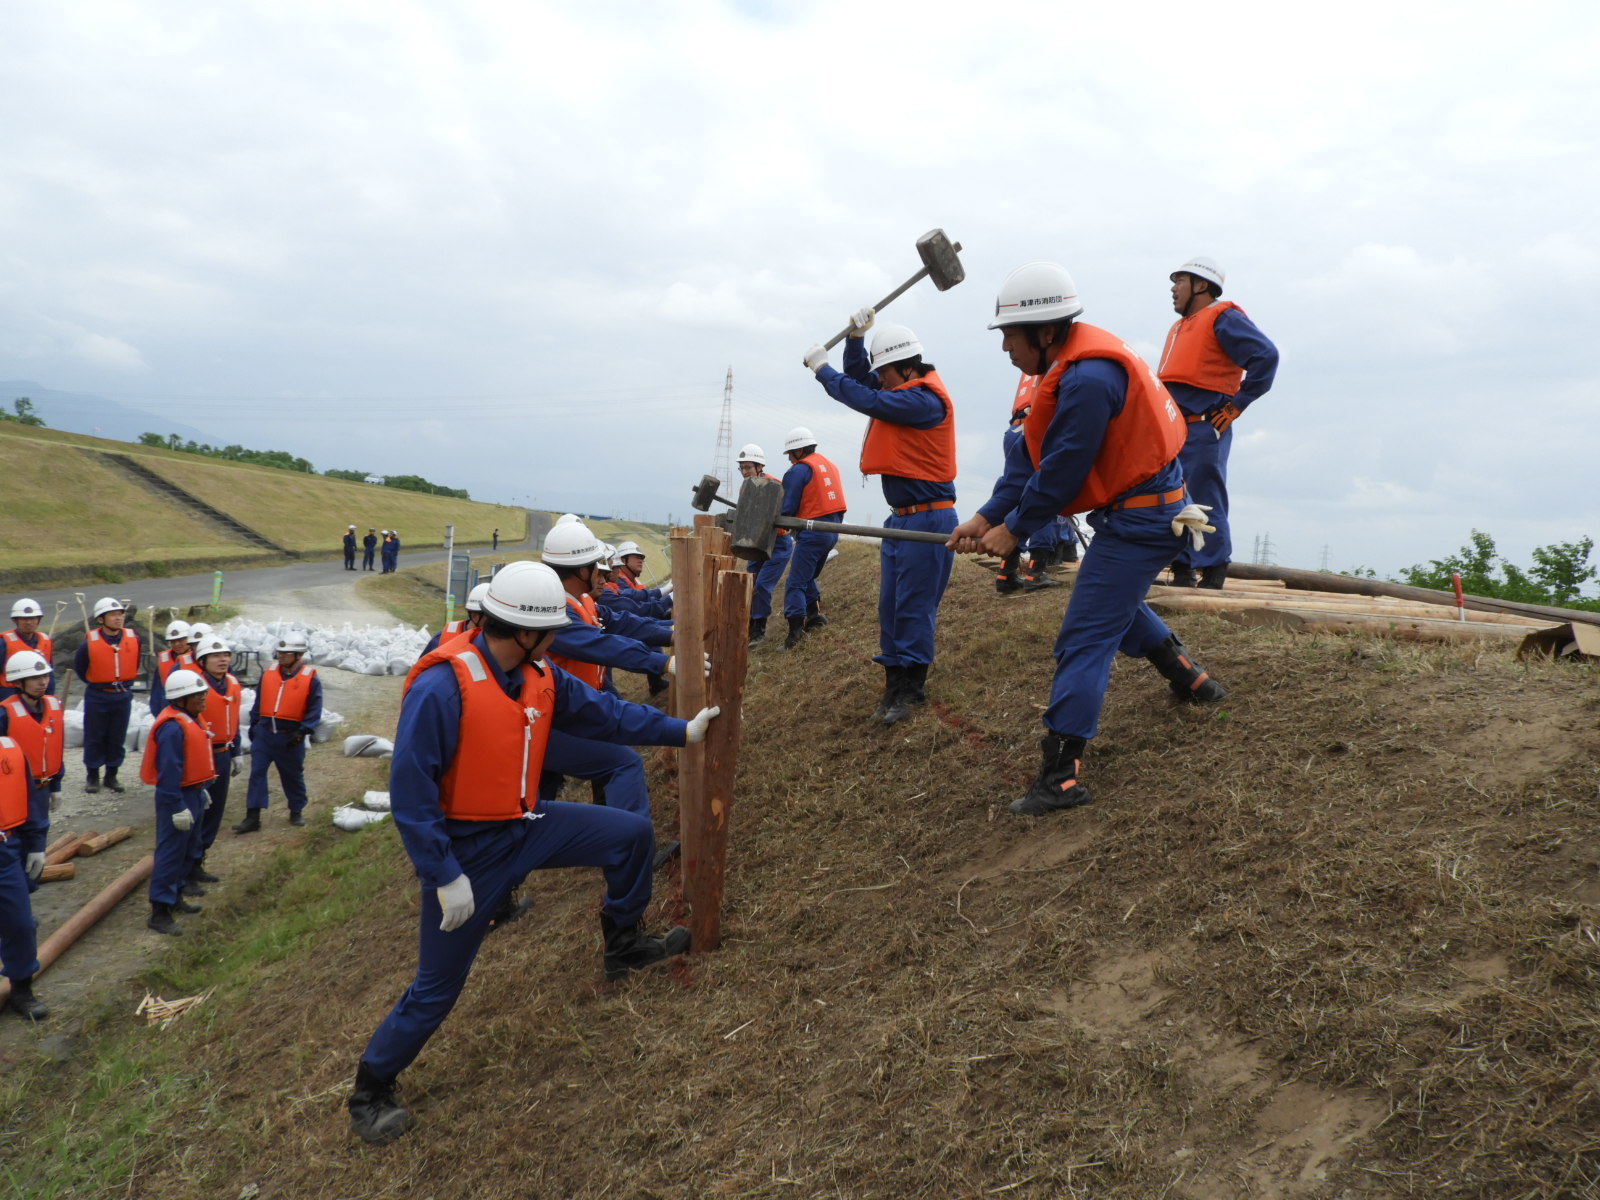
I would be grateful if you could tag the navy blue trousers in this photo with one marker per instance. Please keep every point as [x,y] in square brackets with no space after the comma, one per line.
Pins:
[19,934]
[801,595]
[618,770]
[911,582]
[105,725]
[288,754]
[558,835]
[177,850]
[1204,459]
[767,575]
[217,794]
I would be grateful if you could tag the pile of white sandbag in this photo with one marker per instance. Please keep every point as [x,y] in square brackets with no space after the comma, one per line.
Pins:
[141,719]
[374,807]
[365,651]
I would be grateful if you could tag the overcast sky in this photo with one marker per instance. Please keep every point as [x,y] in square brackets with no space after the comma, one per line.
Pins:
[516,246]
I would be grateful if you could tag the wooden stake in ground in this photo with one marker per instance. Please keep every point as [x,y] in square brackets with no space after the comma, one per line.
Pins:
[689,685]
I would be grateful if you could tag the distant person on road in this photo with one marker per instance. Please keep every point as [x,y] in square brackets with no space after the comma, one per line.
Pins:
[812,488]
[350,548]
[108,663]
[369,548]
[496,544]
[34,719]
[222,718]
[19,867]
[1216,363]
[25,635]
[391,551]
[178,763]
[288,707]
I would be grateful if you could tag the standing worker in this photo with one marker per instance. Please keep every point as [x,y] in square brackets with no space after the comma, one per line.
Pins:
[812,490]
[464,785]
[369,548]
[108,663]
[911,443]
[176,655]
[33,719]
[1102,437]
[1216,363]
[19,867]
[350,548]
[24,635]
[179,764]
[287,708]
[221,718]
[753,463]
[451,630]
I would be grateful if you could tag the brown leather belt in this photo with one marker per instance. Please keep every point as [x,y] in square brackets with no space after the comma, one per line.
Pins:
[1149,500]
[919,508]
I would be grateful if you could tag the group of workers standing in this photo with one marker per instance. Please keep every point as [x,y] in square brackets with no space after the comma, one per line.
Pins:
[385,549]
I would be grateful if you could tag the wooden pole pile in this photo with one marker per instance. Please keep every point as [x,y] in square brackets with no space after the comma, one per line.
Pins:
[57,943]
[710,615]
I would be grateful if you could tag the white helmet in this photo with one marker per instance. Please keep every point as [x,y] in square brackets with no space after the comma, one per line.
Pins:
[352,526]
[608,555]
[1203,268]
[571,545]
[107,604]
[293,642]
[1039,293]
[178,629]
[26,608]
[527,595]
[199,630]
[753,453]
[568,519]
[183,683]
[211,645]
[626,549]
[892,344]
[25,664]
[799,438]
[475,598]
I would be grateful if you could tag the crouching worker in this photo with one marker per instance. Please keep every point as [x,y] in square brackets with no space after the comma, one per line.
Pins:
[178,762]
[463,787]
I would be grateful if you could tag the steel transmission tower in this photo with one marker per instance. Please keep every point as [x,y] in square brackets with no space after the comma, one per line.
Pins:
[722,468]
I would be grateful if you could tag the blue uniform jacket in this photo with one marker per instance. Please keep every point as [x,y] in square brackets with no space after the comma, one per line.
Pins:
[429,732]
[35,831]
[1250,350]
[170,792]
[584,642]
[1092,391]
[311,720]
[634,625]
[648,603]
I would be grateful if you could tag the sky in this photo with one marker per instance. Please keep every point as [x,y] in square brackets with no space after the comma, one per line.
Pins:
[515,247]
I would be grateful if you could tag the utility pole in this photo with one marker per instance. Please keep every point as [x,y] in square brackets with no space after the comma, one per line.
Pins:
[722,467]
[1324,558]
[1266,549]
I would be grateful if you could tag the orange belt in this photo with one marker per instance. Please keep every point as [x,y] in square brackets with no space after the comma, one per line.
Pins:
[1195,418]
[916,508]
[1148,500]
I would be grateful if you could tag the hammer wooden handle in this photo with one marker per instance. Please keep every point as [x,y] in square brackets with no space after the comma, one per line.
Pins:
[878,307]
[871,531]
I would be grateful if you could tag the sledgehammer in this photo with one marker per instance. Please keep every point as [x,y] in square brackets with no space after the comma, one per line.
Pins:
[759,515]
[941,262]
[706,491]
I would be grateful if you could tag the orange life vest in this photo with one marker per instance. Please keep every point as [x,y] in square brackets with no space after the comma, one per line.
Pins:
[453,630]
[220,716]
[15,644]
[198,766]
[43,738]
[823,494]
[13,784]
[1193,355]
[167,663]
[594,674]
[285,699]
[1144,437]
[1027,389]
[625,578]
[927,454]
[501,742]
[113,664]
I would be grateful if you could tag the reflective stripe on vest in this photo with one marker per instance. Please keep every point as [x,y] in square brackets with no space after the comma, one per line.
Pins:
[15,642]
[594,674]
[823,494]
[13,784]
[926,454]
[220,716]
[285,699]
[485,781]
[113,664]
[43,738]
[1144,437]
[1193,355]
[198,765]
[166,664]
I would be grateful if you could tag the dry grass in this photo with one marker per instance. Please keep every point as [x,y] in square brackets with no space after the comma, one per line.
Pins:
[1335,937]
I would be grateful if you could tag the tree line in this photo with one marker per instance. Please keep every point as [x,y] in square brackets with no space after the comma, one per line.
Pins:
[1556,575]
[284,461]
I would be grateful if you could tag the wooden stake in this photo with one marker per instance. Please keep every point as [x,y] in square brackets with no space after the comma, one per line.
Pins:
[52,873]
[69,848]
[98,843]
[689,686]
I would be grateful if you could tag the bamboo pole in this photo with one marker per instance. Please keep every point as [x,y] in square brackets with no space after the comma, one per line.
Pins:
[61,940]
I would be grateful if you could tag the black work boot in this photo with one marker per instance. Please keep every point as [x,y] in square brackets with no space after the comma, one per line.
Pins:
[758,631]
[1057,786]
[113,785]
[665,853]
[23,1002]
[297,819]
[375,1115]
[512,907]
[1214,577]
[161,920]
[891,687]
[93,785]
[200,875]
[251,822]
[629,950]
[1034,578]
[1185,676]
[191,887]
[1069,552]
[1183,576]
[910,693]
[815,619]
[658,684]
[184,906]
[797,633]
[1005,580]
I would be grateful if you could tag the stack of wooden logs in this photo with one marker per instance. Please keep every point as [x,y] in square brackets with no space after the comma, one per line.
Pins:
[59,853]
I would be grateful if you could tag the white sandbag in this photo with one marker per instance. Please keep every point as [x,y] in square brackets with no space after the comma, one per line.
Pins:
[350,818]
[376,801]
[367,745]
[73,727]
[328,728]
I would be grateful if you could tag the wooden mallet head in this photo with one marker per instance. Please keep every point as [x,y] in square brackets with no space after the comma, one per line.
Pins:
[754,519]
[941,258]
[705,492]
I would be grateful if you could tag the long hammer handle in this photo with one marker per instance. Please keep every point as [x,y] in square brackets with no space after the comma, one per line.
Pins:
[878,307]
[871,531]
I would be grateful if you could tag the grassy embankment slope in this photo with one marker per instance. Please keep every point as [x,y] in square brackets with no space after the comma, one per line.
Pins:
[71,509]
[1333,938]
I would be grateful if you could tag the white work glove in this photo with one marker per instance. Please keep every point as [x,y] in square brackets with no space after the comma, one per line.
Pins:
[699,723]
[666,588]
[34,865]
[455,899]
[861,321]
[672,665]
[816,358]
[183,820]
[233,767]
[1192,520]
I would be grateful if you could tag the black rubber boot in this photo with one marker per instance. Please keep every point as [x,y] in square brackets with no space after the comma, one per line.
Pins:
[1214,577]
[909,695]
[1183,576]
[201,875]
[1005,580]
[185,906]
[629,950]
[114,785]
[1033,576]
[665,853]
[93,785]
[891,687]
[376,1116]
[1057,786]
[251,822]
[658,684]
[815,618]
[191,888]
[297,819]
[161,920]
[1184,676]
[797,633]
[23,1002]
[512,907]
[758,631]
[1069,552]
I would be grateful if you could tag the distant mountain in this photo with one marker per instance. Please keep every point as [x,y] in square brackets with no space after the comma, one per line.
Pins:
[93,414]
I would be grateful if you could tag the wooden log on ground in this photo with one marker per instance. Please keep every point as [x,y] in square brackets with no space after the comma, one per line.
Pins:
[69,848]
[63,840]
[59,941]
[100,841]
[1182,601]
[1418,629]
[54,872]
